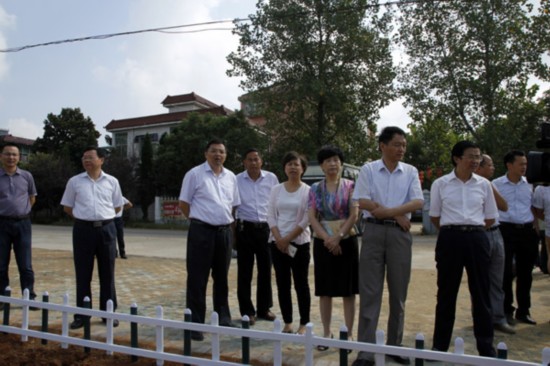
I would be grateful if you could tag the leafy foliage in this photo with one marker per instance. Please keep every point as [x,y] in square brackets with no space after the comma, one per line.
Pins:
[183,149]
[66,135]
[317,70]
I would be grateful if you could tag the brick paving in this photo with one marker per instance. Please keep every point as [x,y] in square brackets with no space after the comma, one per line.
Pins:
[155,275]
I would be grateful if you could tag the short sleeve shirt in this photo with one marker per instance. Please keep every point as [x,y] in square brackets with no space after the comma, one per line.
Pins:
[15,191]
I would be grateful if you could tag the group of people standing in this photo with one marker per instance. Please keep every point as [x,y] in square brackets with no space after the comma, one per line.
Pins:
[488,229]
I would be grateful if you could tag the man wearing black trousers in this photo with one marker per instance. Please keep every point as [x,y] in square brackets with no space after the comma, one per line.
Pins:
[462,207]
[93,198]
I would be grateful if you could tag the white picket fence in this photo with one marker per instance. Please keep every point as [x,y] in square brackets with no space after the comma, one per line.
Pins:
[309,341]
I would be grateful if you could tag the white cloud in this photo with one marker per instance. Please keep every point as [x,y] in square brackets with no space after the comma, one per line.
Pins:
[21,127]
[6,21]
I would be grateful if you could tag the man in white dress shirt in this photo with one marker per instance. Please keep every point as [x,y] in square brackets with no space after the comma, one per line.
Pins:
[252,237]
[389,191]
[463,207]
[520,238]
[209,194]
[93,198]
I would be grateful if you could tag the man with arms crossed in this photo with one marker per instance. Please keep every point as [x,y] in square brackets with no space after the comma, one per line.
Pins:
[389,191]
[209,194]
[17,196]
[520,237]
[462,207]
[252,237]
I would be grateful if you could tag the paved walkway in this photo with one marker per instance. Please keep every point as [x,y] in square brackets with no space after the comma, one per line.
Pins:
[155,275]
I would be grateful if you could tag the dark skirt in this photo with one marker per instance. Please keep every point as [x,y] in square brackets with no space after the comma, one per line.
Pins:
[336,275]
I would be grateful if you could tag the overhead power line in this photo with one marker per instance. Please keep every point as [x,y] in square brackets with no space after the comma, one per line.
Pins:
[167,29]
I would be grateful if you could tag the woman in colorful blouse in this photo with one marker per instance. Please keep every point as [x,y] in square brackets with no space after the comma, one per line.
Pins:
[290,237]
[332,215]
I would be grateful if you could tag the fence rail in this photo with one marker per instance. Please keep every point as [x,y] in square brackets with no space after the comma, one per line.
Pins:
[309,341]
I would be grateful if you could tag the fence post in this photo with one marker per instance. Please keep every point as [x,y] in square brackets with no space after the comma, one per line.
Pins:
[87,334]
[380,358]
[45,299]
[160,334]
[109,323]
[278,345]
[187,333]
[459,346]
[25,320]
[309,344]
[419,344]
[502,351]
[546,356]
[65,321]
[7,292]
[344,352]
[134,331]
[215,321]
[245,347]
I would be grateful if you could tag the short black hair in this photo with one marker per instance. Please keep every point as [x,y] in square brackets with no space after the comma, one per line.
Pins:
[12,144]
[293,155]
[252,149]
[387,134]
[101,153]
[214,141]
[511,155]
[460,147]
[328,151]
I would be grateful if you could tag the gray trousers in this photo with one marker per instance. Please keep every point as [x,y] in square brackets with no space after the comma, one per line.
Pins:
[384,248]
[496,275]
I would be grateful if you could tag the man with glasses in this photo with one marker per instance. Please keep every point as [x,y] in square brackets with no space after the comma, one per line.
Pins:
[463,207]
[209,195]
[93,198]
[17,196]
[520,238]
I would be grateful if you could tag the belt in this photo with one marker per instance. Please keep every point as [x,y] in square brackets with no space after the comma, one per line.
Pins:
[385,222]
[211,227]
[467,228]
[493,228]
[14,218]
[99,223]
[528,225]
[255,225]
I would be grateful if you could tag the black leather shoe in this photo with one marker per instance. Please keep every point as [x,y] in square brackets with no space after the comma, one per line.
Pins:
[504,328]
[510,319]
[526,319]
[197,336]
[400,359]
[269,316]
[362,362]
[77,323]
[123,256]
[115,322]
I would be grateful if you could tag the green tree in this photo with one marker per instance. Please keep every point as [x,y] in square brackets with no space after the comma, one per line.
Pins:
[67,135]
[183,148]
[468,60]
[146,183]
[317,70]
[51,174]
[125,170]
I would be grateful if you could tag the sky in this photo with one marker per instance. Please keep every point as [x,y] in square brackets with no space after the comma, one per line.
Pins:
[119,77]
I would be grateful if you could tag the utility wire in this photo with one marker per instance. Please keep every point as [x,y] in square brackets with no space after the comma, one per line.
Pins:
[166,29]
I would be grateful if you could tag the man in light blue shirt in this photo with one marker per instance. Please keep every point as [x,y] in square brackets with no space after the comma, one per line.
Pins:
[520,237]
[252,237]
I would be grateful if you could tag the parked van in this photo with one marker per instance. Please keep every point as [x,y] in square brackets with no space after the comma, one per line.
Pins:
[314,173]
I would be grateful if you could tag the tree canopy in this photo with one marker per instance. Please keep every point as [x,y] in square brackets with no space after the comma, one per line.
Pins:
[67,135]
[317,70]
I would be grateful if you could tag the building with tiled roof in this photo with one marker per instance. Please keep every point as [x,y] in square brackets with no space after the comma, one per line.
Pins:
[128,134]
[24,144]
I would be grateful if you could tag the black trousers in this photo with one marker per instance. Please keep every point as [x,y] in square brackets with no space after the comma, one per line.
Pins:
[208,249]
[252,243]
[297,268]
[456,250]
[521,246]
[119,223]
[90,243]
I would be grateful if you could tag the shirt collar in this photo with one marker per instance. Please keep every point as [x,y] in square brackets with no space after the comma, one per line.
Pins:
[522,180]
[381,166]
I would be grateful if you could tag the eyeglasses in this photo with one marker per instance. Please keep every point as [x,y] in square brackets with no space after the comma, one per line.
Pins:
[89,158]
[10,154]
